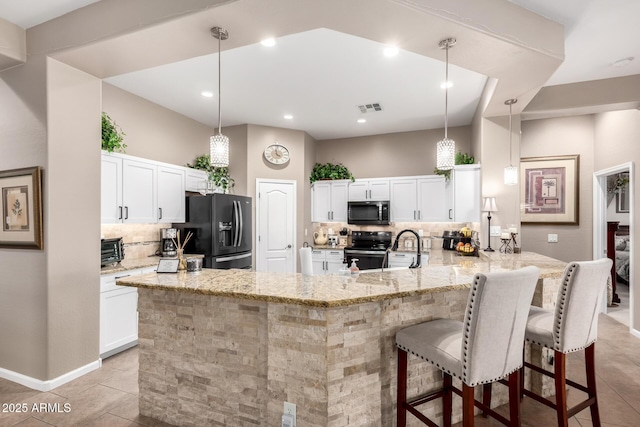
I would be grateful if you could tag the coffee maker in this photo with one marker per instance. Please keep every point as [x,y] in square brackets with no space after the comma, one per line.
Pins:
[167,242]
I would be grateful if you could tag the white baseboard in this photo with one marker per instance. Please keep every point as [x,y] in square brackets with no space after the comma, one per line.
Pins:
[40,385]
[635,332]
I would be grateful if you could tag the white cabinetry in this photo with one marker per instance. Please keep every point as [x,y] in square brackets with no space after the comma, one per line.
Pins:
[196,180]
[418,199]
[329,201]
[369,189]
[136,190]
[466,193]
[326,261]
[405,259]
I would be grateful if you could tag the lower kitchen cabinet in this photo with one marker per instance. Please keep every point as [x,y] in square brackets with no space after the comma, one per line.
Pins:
[118,313]
[405,259]
[326,261]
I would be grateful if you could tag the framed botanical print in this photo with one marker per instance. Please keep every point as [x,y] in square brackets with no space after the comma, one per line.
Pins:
[21,207]
[550,190]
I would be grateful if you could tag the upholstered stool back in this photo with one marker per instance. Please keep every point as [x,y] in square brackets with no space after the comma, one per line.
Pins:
[579,303]
[494,324]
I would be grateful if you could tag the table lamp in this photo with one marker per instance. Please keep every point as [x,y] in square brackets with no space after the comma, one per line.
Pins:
[489,206]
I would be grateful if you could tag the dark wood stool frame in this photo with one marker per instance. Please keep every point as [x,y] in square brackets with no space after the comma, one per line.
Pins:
[467,395]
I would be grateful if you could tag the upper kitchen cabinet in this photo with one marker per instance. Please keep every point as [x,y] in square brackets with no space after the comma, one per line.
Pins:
[422,199]
[466,193]
[329,201]
[136,190]
[196,180]
[369,190]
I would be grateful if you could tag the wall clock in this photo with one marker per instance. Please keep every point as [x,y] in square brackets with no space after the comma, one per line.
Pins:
[276,154]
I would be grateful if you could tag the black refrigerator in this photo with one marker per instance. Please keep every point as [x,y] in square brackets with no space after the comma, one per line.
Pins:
[221,224]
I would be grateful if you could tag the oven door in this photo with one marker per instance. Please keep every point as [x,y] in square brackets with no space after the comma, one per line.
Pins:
[367,260]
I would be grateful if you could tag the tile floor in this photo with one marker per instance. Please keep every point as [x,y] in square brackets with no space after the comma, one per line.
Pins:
[621,311]
[108,396]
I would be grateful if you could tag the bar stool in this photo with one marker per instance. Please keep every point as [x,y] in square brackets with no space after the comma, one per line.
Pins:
[571,326]
[485,347]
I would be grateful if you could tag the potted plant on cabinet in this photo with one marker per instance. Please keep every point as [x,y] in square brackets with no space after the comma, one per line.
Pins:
[112,135]
[461,159]
[217,177]
[330,171]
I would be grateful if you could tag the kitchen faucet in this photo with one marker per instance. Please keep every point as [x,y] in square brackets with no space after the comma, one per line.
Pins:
[395,248]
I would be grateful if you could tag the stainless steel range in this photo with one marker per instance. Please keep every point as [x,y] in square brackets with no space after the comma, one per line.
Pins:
[369,248]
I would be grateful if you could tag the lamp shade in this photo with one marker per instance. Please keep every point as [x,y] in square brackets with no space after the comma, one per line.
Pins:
[511,175]
[445,154]
[489,205]
[219,151]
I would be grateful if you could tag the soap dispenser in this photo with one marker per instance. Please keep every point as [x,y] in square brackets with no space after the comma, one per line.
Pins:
[353,267]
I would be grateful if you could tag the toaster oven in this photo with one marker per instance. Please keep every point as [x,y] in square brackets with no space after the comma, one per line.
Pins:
[111,251]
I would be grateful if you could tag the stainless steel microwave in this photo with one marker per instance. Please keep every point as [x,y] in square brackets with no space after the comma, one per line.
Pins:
[368,213]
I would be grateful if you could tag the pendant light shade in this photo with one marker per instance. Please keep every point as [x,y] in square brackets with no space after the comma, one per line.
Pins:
[446,148]
[219,144]
[510,172]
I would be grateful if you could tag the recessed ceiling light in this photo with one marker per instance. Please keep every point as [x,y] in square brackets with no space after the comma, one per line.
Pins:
[446,85]
[622,62]
[288,116]
[390,51]
[268,42]
[206,93]
[362,120]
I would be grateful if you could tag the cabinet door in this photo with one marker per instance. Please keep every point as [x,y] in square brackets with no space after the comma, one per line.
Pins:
[317,259]
[466,193]
[196,180]
[432,199]
[118,313]
[320,201]
[171,198]
[339,201]
[139,192]
[379,190]
[358,191]
[111,190]
[403,200]
[335,260]
[401,259]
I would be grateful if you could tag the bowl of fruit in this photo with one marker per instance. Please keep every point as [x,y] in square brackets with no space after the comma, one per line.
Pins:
[465,249]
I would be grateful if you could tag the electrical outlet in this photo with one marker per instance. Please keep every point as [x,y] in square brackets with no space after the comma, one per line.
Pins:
[552,238]
[495,231]
[421,232]
[290,409]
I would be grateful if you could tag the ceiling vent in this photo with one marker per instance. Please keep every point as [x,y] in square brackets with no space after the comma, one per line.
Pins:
[370,108]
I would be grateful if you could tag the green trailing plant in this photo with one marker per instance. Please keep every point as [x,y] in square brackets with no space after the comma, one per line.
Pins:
[112,135]
[330,171]
[461,159]
[219,176]
[616,182]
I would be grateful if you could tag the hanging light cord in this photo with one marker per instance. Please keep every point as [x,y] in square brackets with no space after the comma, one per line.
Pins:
[219,87]
[510,144]
[446,88]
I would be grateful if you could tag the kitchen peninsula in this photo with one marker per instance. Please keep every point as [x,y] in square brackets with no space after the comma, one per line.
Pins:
[228,347]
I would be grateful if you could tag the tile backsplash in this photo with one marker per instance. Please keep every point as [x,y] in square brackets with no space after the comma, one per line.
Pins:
[140,240]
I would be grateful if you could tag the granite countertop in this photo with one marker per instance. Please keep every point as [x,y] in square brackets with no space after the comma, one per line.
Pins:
[445,270]
[135,263]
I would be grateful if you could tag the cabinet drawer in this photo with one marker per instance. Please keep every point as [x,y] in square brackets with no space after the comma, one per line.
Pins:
[334,255]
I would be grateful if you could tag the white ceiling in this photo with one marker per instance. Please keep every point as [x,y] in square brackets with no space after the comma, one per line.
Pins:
[320,76]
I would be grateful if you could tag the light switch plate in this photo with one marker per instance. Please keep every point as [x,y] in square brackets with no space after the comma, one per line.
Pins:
[552,238]
[495,231]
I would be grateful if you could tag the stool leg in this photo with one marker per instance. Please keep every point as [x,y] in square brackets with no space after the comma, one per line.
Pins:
[486,397]
[590,362]
[561,388]
[514,398]
[402,388]
[468,406]
[446,400]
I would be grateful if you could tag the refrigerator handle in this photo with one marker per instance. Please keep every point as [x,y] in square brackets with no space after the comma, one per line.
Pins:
[241,223]
[236,222]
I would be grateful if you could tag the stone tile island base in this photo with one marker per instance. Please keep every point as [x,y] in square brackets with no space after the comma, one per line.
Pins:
[208,360]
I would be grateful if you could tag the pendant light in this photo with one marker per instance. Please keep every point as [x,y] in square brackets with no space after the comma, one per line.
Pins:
[219,144]
[510,172]
[446,148]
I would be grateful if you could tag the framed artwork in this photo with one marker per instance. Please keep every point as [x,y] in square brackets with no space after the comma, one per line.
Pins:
[549,189]
[21,207]
[622,196]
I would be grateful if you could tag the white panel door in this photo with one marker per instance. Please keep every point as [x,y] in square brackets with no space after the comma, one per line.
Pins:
[403,200]
[276,226]
[171,197]
[432,199]
[111,190]
[139,192]
[339,201]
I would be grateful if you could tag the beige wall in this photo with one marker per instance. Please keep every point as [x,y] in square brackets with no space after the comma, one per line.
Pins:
[238,157]
[555,137]
[393,154]
[154,132]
